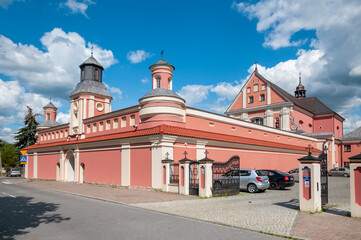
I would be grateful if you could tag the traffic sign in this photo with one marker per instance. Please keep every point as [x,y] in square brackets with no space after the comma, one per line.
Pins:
[23,152]
[23,159]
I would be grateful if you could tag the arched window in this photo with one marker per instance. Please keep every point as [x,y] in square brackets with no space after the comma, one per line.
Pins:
[157,82]
[96,74]
[170,83]
[48,116]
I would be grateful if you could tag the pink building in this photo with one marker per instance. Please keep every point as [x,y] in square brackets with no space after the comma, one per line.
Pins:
[126,147]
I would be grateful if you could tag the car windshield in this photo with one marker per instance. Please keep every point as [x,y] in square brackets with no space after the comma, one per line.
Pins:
[260,173]
[281,173]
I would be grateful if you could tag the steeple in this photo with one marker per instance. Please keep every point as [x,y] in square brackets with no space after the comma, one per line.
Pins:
[49,116]
[162,73]
[300,89]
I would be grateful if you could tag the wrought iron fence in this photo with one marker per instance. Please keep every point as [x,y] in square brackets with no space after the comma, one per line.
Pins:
[174,173]
[226,179]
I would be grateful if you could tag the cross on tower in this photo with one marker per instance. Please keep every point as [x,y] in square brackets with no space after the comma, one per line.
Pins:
[167,155]
[206,153]
[92,51]
[185,154]
[255,64]
[161,54]
[309,148]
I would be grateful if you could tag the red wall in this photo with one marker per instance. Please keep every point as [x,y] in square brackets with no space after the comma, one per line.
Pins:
[102,166]
[47,166]
[30,166]
[141,167]
[178,152]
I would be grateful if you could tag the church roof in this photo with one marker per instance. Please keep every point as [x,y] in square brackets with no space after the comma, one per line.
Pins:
[50,105]
[89,86]
[48,123]
[354,135]
[161,92]
[311,104]
[91,60]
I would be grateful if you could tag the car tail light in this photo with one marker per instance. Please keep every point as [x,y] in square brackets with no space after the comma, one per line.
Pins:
[286,178]
[259,179]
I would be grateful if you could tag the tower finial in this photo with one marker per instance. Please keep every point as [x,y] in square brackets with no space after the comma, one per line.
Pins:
[50,99]
[161,54]
[255,64]
[299,78]
[92,50]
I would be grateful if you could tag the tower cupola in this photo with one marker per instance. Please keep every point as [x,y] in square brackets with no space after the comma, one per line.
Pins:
[162,73]
[300,89]
[49,116]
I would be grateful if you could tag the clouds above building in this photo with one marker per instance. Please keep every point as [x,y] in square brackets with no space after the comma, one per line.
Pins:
[77,7]
[138,56]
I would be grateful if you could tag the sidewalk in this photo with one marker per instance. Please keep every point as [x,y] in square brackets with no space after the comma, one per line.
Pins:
[247,211]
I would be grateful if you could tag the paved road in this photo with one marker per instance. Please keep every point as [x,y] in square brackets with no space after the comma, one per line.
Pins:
[33,213]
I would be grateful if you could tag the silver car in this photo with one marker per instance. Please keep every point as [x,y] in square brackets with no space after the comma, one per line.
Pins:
[339,171]
[250,180]
[295,173]
[13,172]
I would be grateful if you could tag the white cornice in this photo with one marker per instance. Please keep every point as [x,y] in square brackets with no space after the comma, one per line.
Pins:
[117,113]
[263,107]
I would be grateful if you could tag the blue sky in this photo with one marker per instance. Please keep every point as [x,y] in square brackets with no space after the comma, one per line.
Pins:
[212,44]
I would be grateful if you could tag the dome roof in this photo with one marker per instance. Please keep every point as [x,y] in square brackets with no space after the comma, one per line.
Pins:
[161,92]
[91,61]
[89,86]
[50,105]
[162,62]
[48,123]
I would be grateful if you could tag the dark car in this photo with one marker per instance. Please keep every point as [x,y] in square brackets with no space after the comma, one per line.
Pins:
[278,179]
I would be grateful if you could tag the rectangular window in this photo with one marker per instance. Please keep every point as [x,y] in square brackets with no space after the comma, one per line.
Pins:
[211,124]
[94,127]
[124,122]
[132,120]
[61,134]
[261,98]
[115,123]
[347,148]
[48,116]
[250,99]
[101,128]
[88,128]
[107,125]
[248,90]
[263,87]
[256,88]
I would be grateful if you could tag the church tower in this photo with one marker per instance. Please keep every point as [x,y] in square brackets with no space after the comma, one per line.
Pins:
[90,97]
[300,90]
[49,117]
[161,105]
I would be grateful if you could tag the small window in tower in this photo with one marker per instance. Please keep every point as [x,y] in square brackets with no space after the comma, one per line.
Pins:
[170,83]
[48,116]
[124,122]
[96,74]
[132,120]
[250,99]
[158,82]
[263,87]
[107,125]
[261,98]
[82,74]
[100,106]
[115,123]
[256,88]
[248,90]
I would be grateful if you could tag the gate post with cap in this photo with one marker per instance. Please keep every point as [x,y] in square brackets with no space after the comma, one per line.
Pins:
[310,184]
[355,185]
[184,176]
[205,177]
[166,174]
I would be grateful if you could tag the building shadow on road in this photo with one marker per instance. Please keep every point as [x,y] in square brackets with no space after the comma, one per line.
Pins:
[292,204]
[18,214]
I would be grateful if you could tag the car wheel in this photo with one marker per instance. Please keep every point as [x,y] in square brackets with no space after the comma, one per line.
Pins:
[217,185]
[346,175]
[252,188]
[273,185]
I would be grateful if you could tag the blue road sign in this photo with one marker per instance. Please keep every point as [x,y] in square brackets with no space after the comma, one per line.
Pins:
[23,159]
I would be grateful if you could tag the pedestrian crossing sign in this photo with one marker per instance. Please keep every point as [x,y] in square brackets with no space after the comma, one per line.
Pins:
[23,159]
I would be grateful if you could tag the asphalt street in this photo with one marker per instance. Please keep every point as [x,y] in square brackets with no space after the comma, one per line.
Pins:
[34,213]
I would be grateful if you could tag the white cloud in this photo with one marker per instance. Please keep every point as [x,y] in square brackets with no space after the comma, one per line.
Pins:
[5,3]
[78,7]
[117,93]
[144,80]
[226,90]
[138,56]
[63,118]
[194,93]
[331,69]
[53,72]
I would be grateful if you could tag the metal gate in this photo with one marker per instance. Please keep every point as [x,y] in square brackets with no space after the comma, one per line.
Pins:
[226,177]
[174,173]
[193,178]
[324,177]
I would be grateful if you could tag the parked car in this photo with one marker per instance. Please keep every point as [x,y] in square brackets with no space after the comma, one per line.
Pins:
[13,172]
[250,180]
[339,171]
[278,179]
[295,174]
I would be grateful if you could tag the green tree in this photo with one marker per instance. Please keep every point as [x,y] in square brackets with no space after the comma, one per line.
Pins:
[10,155]
[26,136]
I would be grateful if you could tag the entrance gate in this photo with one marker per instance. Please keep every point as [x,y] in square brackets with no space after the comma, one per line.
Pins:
[193,178]
[226,181]
[324,176]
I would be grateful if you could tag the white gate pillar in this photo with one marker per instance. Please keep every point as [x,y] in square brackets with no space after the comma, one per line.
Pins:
[355,185]
[184,176]
[166,174]
[205,177]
